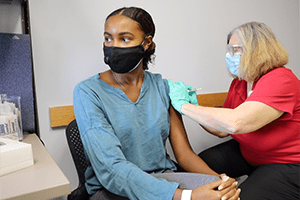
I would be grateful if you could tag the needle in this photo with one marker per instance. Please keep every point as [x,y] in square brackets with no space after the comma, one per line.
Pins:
[194,90]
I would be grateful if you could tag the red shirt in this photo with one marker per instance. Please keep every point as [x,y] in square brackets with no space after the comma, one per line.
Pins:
[279,141]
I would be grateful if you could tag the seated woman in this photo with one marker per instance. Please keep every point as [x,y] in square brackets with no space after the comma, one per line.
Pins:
[124,118]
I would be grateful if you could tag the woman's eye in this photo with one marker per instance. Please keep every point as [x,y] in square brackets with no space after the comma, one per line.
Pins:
[107,39]
[125,40]
[238,50]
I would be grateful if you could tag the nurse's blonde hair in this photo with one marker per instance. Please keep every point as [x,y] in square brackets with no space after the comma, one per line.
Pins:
[262,51]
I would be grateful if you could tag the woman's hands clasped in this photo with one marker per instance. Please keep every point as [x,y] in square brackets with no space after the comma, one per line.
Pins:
[223,189]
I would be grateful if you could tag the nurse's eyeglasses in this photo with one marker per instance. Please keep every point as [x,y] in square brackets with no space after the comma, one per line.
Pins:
[234,49]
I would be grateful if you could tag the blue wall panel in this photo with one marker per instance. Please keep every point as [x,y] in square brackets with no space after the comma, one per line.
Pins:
[16,77]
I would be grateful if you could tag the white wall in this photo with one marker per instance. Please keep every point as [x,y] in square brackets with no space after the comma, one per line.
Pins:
[67,38]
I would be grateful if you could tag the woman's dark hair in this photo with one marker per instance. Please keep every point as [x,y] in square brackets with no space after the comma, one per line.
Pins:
[146,24]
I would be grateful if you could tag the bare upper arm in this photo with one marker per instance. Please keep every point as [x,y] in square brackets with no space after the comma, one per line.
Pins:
[178,135]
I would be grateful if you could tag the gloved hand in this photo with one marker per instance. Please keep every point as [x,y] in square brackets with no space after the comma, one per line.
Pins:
[192,96]
[179,95]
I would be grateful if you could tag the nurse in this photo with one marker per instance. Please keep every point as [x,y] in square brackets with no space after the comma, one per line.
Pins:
[261,113]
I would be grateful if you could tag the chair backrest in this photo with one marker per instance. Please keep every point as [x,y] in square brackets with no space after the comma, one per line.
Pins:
[77,151]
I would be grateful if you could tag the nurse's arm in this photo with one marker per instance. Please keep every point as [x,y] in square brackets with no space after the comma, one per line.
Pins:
[248,117]
[220,134]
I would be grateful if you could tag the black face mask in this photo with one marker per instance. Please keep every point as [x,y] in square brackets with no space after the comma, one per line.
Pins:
[123,59]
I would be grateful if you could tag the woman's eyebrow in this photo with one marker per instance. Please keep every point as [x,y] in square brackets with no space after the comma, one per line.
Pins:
[121,34]
[106,33]
[125,33]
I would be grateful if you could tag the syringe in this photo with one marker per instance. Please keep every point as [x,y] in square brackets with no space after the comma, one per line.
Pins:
[194,90]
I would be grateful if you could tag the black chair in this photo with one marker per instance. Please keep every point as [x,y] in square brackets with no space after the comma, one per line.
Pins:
[76,148]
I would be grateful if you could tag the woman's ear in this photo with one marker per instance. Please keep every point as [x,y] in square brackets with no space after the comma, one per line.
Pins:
[148,42]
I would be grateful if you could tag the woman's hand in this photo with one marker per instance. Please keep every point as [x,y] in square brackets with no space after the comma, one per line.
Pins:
[179,95]
[226,188]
